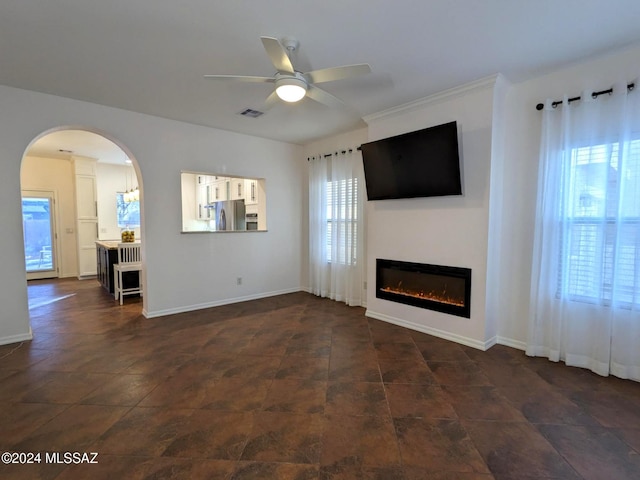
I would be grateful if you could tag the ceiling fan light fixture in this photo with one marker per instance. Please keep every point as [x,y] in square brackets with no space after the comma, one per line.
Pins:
[291,89]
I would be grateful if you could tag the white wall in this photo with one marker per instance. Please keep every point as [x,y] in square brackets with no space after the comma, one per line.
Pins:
[451,231]
[495,239]
[521,172]
[182,271]
[54,174]
[111,179]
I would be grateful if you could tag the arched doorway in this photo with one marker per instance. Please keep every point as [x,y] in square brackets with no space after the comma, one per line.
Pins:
[87,175]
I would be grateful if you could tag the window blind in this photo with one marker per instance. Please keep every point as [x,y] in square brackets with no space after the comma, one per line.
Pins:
[342,221]
[600,251]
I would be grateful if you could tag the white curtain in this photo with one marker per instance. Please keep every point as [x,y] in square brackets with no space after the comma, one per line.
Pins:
[585,295]
[336,227]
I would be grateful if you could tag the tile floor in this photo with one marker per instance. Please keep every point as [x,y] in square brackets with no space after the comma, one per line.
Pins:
[295,387]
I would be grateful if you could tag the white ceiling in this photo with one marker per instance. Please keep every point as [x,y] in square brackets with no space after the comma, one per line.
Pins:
[67,143]
[150,56]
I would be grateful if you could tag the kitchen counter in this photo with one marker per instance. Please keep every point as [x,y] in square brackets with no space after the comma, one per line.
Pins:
[111,244]
[107,256]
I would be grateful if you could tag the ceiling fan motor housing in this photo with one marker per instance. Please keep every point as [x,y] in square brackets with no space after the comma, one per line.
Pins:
[290,43]
[291,88]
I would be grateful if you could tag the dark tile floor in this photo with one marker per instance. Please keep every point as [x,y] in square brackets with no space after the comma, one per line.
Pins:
[295,387]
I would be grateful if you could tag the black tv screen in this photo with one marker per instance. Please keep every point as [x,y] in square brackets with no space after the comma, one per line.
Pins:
[424,163]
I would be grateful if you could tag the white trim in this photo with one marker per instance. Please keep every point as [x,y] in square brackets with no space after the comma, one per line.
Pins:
[52,194]
[23,337]
[481,84]
[470,342]
[217,303]
[510,342]
[86,277]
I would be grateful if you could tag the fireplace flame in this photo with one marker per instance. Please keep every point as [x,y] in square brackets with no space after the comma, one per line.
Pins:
[434,296]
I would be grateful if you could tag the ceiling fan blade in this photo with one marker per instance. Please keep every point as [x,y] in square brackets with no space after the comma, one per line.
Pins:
[337,73]
[242,78]
[270,101]
[277,54]
[321,96]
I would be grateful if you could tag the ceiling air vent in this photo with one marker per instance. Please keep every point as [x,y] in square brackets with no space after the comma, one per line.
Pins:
[251,113]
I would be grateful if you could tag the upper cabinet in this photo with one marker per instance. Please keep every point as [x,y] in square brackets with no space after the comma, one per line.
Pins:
[251,187]
[218,190]
[202,196]
[237,189]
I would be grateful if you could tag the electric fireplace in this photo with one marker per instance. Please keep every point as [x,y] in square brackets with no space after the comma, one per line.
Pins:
[434,287]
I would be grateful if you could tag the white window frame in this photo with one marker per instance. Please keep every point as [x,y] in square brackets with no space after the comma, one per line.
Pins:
[585,272]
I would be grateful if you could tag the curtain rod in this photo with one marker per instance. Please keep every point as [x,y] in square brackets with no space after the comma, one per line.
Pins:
[555,103]
[338,152]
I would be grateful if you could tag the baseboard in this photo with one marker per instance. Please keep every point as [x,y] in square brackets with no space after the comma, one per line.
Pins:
[23,337]
[509,342]
[217,303]
[490,343]
[470,342]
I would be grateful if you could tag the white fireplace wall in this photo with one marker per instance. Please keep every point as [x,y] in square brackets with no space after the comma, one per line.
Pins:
[450,231]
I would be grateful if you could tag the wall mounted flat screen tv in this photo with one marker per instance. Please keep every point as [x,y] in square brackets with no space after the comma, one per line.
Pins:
[424,163]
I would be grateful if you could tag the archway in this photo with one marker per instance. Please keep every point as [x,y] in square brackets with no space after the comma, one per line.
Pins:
[70,161]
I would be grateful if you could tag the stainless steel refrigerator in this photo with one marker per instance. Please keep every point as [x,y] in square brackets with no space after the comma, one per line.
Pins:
[230,215]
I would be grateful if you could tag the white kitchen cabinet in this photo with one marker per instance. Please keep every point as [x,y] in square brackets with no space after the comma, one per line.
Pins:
[220,189]
[204,196]
[251,191]
[237,188]
[213,188]
[86,214]
[203,179]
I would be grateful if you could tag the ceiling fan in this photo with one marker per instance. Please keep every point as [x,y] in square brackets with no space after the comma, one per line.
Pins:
[292,85]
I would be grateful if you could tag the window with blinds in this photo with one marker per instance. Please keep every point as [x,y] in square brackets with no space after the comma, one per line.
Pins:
[342,214]
[600,254]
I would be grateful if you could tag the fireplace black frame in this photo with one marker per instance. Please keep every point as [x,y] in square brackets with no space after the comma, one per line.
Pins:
[455,272]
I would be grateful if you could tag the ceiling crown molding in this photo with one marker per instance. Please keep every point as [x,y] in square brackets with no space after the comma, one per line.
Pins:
[481,84]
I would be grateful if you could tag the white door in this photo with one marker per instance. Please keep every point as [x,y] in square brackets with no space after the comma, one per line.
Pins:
[39,228]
